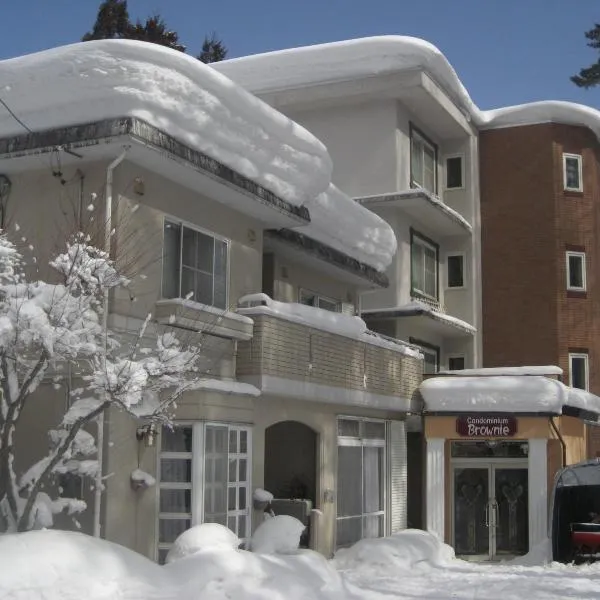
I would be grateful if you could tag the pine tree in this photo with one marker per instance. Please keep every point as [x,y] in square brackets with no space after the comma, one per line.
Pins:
[213,50]
[112,21]
[590,76]
[155,30]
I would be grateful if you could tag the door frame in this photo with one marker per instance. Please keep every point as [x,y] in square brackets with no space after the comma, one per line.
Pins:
[490,464]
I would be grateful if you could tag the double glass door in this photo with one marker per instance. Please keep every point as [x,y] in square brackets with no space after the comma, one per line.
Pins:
[490,512]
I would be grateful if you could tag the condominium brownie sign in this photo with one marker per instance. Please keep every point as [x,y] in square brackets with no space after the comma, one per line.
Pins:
[481,426]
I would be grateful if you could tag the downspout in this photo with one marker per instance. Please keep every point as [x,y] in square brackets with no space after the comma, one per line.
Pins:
[561,440]
[107,248]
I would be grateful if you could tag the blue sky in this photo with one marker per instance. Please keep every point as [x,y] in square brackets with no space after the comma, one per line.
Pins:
[505,51]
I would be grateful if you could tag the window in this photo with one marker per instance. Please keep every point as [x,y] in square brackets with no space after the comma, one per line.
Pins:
[318,301]
[423,162]
[424,266]
[456,363]
[578,370]
[576,279]
[455,271]
[204,477]
[454,173]
[572,172]
[194,265]
[431,356]
[361,480]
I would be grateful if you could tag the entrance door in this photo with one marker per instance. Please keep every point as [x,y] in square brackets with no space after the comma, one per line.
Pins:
[490,520]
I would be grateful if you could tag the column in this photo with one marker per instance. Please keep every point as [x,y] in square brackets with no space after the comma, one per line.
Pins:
[435,500]
[538,491]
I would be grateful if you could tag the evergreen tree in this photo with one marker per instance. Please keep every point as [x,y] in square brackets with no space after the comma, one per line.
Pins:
[112,21]
[213,50]
[155,30]
[590,76]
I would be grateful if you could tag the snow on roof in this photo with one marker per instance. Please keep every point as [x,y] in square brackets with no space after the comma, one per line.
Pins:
[181,96]
[511,394]
[326,320]
[368,57]
[525,370]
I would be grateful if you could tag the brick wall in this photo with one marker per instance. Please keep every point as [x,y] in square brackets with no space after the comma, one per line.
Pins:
[528,223]
[290,350]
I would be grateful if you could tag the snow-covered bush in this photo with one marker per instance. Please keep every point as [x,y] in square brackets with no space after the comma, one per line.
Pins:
[208,536]
[277,535]
[406,550]
[49,328]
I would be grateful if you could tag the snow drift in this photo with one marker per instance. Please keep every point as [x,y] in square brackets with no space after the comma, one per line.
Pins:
[380,55]
[91,81]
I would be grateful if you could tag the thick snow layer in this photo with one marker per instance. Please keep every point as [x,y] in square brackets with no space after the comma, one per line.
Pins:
[260,495]
[90,81]
[525,370]
[367,57]
[326,320]
[226,386]
[208,536]
[141,478]
[504,393]
[407,550]
[178,94]
[342,223]
[278,535]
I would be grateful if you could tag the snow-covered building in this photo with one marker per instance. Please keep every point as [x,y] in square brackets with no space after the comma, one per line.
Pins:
[225,214]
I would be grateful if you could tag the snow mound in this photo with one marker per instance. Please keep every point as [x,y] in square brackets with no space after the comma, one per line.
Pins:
[174,92]
[261,495]
[366,57]
[539,555]
[208,536]
[278,535]
[404,551]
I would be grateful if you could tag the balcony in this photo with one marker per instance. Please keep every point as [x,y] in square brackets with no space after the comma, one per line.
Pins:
[314,355]
[425,207]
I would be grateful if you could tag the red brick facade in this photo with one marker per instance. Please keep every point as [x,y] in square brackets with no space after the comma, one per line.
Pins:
[528,223]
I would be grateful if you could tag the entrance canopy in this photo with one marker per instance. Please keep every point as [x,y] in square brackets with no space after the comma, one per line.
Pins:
[499,393]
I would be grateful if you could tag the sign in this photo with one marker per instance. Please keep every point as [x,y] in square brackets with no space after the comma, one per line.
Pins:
[480,426]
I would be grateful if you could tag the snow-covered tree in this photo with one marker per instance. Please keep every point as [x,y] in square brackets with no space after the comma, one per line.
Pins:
[51,328]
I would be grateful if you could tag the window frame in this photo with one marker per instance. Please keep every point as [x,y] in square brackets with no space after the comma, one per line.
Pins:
[448,157]
[319,297]
[581,255]
[463,256]
[428,348]
[579,158]
[424,241]
[415,132]
[183,223]
[586,357]
[197,482]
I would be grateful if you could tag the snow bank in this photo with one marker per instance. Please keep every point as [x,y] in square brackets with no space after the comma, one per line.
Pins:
[539,555]
[367,57]
[278,535]
[326,320]
[59,565]
[525,370]
[260,495]
[404,551]
[90,81]
[192,102]
[208,536]
[509,393]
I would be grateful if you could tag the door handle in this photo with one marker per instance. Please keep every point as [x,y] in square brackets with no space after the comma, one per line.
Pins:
[487,514]
[494,520]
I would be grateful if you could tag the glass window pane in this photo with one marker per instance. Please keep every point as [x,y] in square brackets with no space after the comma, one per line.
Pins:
[220,274]
[373,526]
[233,445]
[243,470]
[374,430]
[241,530]
[178,439]
[232,523]
[373,479]
[328,305]
[456,363]
[162,556]
[204,288]
[175,501]
[416,161]
[171,258]
[188,284]
[189,247]
[243,442]
[579,372]
[205,252]
[417,266]
[231,504]
[349,476]
[454,172]
[576,271]
[170,529]
[572,173]
[455,271]
[242,498]
[175,470]
[233,467]
[348,531]
[349,428]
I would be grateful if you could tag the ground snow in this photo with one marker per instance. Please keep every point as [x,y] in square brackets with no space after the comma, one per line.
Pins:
[207,536]
[412,565]
[278,535]
[366,57]
[178,94]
